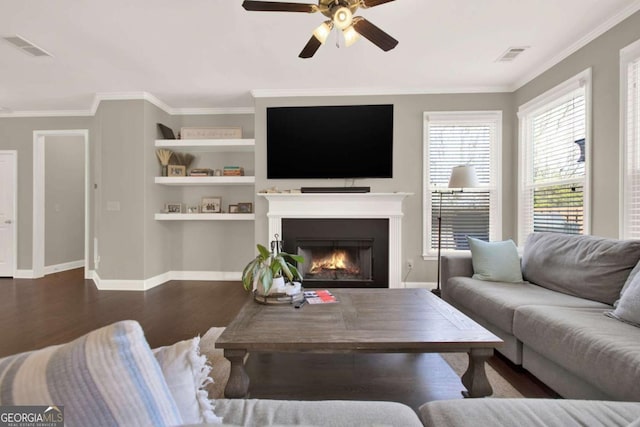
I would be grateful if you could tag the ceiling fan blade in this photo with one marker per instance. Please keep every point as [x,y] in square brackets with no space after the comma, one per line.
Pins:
[310,48]
[374,34]
[371,3]
[271,6]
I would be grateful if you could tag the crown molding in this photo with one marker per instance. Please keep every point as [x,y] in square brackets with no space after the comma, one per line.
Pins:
[295,93]
[129,96]
[51,113]
[212,111]
[582,42]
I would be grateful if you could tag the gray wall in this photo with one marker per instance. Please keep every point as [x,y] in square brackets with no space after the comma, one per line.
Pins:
[120,181]
[17,134]
[64,199]
[407,161]
[603,56]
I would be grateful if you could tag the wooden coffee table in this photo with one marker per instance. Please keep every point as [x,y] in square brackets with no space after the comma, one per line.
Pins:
[363,320]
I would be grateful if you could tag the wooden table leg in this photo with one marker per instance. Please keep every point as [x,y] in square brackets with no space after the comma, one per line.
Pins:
[238,383]
[475,379]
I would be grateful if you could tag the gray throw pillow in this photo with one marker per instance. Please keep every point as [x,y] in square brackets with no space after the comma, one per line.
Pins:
[628,309]
[633,274]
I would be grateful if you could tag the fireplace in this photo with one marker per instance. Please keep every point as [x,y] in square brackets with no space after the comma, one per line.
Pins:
[340,252]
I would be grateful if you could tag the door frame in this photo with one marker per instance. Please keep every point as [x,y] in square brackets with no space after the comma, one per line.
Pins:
[14,155]
[39,194]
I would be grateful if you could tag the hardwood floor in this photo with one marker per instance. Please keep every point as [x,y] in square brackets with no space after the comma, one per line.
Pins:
[64,306]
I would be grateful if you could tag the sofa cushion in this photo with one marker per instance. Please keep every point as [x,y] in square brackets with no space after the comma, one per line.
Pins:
[584,266]
[528,413]
[603,351]
[106,377]
[496,302]
[335,413]
[496,261]
[187,374]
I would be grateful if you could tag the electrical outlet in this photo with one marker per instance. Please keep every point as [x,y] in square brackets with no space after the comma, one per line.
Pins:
[410,263]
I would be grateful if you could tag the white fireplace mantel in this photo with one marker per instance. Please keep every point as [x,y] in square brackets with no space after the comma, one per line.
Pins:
[344,205]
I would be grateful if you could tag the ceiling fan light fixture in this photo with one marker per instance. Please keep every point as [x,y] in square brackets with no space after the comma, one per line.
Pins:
[342,17]
[350,35]
[323,31]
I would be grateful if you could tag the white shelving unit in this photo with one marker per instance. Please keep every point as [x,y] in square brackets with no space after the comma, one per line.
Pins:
[205,180]
[208,146]
[204,217]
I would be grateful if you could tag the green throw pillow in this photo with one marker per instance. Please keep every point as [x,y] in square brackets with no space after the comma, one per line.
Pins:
[495,261]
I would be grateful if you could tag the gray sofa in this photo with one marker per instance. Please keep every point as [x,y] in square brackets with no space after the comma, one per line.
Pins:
[529,413]
[554,324]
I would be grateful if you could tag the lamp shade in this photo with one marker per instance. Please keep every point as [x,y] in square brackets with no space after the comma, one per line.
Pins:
[463,176]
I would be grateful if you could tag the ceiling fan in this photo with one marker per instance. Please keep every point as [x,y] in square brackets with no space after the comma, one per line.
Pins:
[340,14]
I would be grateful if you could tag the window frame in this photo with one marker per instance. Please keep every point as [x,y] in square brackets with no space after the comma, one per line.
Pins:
[495,212]
[553,96]
[628,55]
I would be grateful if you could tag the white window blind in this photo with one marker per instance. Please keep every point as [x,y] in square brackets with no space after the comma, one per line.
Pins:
[453,139]
[553,164]
[631,151]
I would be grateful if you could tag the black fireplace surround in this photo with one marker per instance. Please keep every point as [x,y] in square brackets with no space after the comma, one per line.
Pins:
[339,252]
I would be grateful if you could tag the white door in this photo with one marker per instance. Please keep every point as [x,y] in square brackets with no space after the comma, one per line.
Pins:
[7,209]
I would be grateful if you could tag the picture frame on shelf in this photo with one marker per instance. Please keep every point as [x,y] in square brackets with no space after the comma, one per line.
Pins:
[211,205]
[233,209]
[176,170]
[245,207]
[193,209]
[173,207]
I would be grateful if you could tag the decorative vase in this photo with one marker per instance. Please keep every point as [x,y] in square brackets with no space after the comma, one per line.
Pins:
[164,170]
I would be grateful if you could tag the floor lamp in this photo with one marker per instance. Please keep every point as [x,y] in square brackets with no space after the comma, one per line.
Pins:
[463,176]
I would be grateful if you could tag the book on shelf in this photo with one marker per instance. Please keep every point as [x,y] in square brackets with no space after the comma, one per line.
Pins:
[320,296]
[233,171]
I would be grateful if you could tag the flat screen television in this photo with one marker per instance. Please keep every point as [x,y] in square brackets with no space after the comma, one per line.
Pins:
[354,141]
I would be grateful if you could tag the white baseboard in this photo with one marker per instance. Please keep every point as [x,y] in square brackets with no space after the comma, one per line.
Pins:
[49,269]
[144,285]
[23,274]
[425,285]
[205,275]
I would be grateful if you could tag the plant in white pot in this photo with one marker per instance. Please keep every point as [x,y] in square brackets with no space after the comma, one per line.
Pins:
[265,274]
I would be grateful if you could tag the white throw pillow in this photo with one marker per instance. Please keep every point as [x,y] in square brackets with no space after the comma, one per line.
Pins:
[495,261]
[628,308]
[187,375]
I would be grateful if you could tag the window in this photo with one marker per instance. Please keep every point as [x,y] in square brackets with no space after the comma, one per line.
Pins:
[461,138]
[554,159]
[630,152]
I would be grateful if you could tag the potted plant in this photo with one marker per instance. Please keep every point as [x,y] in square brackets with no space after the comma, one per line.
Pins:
[269,268]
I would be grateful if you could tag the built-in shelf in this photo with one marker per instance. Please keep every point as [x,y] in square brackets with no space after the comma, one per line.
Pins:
[209,145]
[205,180]
[204,217]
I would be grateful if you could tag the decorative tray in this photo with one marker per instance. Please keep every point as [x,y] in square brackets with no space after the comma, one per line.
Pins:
[279,298]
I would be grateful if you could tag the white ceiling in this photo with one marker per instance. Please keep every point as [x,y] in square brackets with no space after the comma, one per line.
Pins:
[213,53]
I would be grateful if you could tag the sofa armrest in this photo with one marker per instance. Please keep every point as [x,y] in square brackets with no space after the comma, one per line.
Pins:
[454,265]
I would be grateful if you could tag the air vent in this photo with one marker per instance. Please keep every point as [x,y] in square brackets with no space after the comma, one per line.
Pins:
[512,53]
[26,46]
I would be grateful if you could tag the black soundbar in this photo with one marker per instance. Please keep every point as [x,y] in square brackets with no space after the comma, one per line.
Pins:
[335,189]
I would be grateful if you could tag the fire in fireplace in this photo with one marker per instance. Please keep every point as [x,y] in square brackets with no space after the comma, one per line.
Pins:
[339,252]
[331,260]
